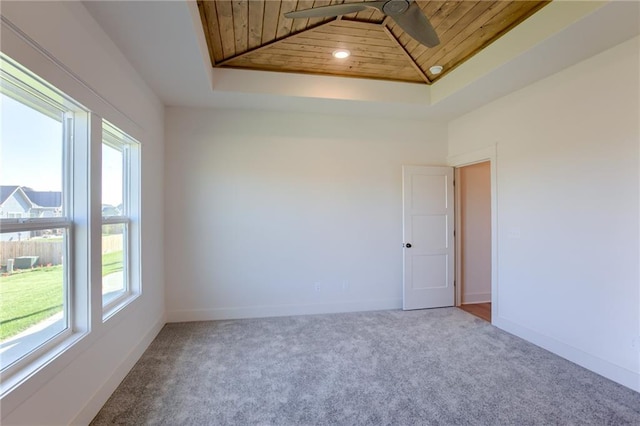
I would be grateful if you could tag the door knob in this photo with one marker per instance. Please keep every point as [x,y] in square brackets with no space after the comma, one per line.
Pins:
[408,245]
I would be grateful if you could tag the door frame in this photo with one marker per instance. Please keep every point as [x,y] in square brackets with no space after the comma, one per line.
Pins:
[482,155]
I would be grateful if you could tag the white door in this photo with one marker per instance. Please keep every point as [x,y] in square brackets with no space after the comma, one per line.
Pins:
[428,219]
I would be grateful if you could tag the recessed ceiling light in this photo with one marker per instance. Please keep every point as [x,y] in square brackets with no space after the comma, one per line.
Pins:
[341,53]
[436,69]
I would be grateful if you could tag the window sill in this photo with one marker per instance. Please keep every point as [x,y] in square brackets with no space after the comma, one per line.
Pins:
[116,304]
[28,368]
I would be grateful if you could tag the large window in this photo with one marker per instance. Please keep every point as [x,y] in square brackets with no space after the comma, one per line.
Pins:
[36,217]
[58,248]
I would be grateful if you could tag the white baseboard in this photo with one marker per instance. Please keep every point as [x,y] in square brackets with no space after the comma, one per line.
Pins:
[469,298]
[96,402]
[598,365]
[280,310]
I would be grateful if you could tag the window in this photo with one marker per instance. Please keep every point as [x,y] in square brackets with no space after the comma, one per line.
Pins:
[119,232]
[58,246]
[36,168]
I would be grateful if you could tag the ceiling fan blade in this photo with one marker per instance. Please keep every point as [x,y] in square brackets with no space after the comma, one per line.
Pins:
[414,23]
[334,10]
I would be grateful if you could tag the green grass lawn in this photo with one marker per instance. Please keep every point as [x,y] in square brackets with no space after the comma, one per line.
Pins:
[30,296]
[112,262]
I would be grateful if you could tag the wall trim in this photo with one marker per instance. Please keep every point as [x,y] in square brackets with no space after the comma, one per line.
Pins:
[477,298]
[281,310]
[473,157]
[98,399]
[595,364]
[457,223]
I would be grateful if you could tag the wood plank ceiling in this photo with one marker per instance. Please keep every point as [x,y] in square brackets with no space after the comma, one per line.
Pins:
[254,34]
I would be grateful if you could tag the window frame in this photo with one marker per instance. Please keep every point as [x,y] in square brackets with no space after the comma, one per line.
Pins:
[82,222]
[30,90]
[130,149]
[88,323]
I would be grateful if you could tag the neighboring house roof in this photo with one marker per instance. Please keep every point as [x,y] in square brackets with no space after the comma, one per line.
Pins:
[6,191]
[49,199]
[44,198]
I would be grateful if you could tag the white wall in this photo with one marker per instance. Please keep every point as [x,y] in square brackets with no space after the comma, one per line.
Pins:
[262,206]
[49,37]
[567,193]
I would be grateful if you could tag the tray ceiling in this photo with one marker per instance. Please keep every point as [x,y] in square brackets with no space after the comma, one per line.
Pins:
[254,34]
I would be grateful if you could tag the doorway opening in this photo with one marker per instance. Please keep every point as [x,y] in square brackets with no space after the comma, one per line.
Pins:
[473,239]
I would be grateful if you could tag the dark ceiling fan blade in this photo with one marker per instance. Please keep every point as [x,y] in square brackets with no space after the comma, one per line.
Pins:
[333,10]
[414,23]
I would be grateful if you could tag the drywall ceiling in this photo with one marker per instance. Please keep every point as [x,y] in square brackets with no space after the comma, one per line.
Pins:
[165,42]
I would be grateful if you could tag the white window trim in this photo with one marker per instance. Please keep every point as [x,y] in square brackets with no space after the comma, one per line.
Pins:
[74,118]
[119,140]
[89,324]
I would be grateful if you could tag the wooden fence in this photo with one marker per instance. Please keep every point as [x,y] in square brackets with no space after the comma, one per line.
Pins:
[111,243]
[49,252]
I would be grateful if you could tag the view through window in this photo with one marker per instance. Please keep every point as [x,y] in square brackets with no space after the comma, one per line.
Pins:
[115,211]
[46,241]
[34,217]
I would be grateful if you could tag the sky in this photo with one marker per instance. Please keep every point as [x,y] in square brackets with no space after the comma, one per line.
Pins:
[30,147]
[31,152]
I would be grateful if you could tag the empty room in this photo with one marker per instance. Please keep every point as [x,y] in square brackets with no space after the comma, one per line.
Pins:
[317,212]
